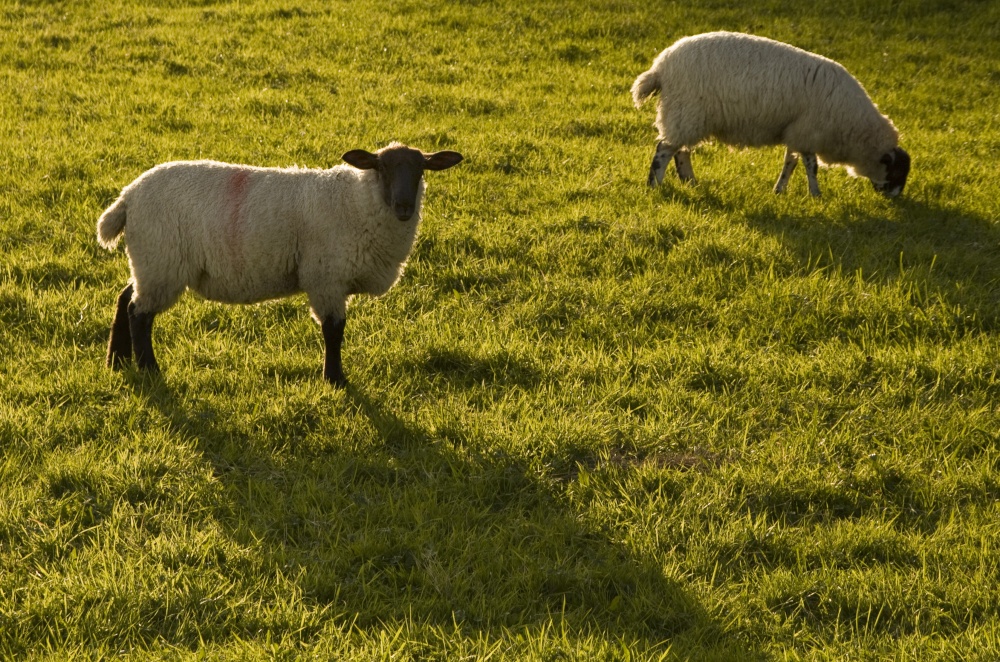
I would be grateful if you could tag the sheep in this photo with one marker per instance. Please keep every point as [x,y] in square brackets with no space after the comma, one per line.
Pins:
[243,234]
[751,91]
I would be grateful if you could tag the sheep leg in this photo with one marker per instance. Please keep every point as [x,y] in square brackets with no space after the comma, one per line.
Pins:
[120,341]
[791,160]
[809,160]
[141,329]
[333,338]
[682,161]
[661,159]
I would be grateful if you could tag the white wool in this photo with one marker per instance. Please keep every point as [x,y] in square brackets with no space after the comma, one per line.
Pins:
[751,91]
[241,234]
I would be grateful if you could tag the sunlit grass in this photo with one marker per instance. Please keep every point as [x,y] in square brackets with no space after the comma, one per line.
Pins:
[592,421]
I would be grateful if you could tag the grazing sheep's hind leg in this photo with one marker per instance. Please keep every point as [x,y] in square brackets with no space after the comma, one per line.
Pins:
[809,160]
[661,159]
[682,161]
[141,329]
[333,337]
[120,341]
[791,160]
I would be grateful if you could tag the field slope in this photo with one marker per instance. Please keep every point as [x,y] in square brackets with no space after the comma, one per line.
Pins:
[592,421]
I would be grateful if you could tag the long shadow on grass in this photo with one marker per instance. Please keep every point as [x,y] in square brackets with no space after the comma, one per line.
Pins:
[940,250]
[394,524]
[901,236]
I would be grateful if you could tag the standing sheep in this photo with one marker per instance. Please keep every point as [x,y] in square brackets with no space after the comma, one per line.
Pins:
[242,234]
[751,91]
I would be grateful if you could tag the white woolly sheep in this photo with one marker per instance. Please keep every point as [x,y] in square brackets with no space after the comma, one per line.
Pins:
[242,234]
[751,91]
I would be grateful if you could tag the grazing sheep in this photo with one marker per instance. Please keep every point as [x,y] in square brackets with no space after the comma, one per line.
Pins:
[242,234]
[752,91]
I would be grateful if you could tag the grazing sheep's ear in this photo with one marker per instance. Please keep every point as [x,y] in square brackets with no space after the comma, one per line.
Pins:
[441,160]
[361,159]
[888,158]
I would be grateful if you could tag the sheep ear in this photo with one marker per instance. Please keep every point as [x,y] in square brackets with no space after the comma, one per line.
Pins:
[888,158]
[441,160]
[361,159]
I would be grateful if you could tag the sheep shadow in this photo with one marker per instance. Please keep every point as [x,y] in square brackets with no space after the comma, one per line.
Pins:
[947,250]
[940,249]
[435,527]
[467,370]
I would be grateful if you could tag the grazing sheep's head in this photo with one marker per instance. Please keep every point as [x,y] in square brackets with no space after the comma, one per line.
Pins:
[897,167]
[400,169]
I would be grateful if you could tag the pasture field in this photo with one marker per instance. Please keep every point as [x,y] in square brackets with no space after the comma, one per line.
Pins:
[592,421]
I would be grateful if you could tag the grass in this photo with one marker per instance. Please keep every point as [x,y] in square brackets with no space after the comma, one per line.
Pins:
[591,422]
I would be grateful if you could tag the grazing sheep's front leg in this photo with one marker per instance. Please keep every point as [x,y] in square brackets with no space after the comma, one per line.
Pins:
[682,161]
[120,341]
[809,160]
[661,159]
[141,330]
[791,160]
[333,338]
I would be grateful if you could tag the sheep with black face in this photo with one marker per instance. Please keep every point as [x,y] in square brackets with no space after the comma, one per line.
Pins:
[243,234]
[751,91]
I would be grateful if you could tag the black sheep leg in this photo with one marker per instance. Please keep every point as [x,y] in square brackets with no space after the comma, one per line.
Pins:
[120,341]
[141,327]
[333,337]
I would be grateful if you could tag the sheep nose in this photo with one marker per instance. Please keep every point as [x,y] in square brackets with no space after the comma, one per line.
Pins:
[404,211]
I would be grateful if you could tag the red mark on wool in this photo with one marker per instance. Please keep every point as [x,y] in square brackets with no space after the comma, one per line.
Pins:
[236,193]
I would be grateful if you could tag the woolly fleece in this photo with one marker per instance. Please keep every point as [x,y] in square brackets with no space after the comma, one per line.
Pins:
[752,91]
[242,234]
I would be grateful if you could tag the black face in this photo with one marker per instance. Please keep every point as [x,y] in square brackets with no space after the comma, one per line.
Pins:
[897,168]
[400,169]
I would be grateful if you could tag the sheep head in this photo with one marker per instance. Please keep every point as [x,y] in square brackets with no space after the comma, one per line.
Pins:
[897,167]
[400,169]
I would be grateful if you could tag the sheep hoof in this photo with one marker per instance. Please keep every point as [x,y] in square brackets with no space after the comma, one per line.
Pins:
[337,381]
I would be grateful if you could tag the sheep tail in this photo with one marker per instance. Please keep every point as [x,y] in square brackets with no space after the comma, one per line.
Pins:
[111,224]
[646,84]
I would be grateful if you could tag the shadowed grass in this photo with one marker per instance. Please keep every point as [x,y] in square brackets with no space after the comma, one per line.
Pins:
[592,421]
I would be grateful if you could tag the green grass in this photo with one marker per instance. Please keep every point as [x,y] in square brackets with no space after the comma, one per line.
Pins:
[591,421]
